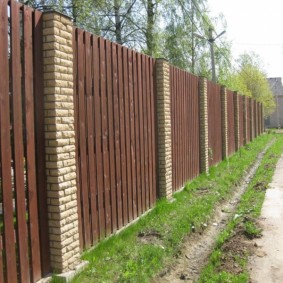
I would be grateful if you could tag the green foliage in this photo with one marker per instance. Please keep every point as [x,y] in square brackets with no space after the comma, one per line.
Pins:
[251,230]
[251,81]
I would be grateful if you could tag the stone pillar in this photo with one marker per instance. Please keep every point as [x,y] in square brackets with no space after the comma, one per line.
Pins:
[224,122]
[204,158]
[237,122]
[164,138]
[60,142]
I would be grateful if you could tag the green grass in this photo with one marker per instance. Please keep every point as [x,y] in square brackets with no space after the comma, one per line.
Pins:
[244,222]
[126,258]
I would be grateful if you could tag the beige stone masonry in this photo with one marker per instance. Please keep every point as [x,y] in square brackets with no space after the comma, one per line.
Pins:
[60,142]
[224,122]
[164,138]
[204,158]
[236,119]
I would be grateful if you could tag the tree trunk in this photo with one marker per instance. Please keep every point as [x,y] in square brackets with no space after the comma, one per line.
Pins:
[118,23]
[150,43]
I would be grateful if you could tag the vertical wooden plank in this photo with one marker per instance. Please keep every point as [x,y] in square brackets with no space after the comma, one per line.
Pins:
[186,128]
[145,114]
[40,148]
[82,139]
[186,125]
[128,135]
[142,139]
[18,149]
[189,131]
[77,130]
[175,127]
[7,197]
[137,133]
[194,113]
[122,135]
[30,147]
[105,133]
[179,160]
[182,129]
[148,94]
[111,137]
[117,137]
[153,130]
[98,133]
[1,257]
[91,157]
[132,134]
[172,124]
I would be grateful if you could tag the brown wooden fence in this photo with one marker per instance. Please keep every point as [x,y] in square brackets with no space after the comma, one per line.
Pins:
[241,120]
[185,126]
[115,135]
[231,122]
[214,123]
[249,121]
[24,250]
[115,122]
[257,118]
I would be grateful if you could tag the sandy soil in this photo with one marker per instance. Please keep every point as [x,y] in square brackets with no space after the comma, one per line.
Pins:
[266,265]
[197,246]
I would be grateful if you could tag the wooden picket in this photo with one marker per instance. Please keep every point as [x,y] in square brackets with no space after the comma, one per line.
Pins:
[23,233]
[115,125]
[185,126]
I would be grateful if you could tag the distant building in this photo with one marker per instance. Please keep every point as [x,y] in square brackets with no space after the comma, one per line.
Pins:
[275,120]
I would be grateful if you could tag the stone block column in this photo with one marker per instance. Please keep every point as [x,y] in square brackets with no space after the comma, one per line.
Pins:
[60,142]
[164,137]
[237,122]
[224,122]
[204,158]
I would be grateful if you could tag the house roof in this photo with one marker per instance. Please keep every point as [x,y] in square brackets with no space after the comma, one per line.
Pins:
[276,86]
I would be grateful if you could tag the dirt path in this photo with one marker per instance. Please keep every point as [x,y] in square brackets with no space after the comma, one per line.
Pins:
[197,247]
[267,264]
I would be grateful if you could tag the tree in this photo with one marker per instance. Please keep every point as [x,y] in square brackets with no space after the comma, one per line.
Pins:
[251,80]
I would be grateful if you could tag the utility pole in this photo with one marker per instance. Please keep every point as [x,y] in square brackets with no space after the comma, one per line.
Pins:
[211,41]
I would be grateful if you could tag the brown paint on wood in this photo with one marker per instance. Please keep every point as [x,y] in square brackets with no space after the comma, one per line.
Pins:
[7,197]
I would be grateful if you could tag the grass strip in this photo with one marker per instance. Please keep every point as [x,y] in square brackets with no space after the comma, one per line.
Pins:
[142,250]
[228,261]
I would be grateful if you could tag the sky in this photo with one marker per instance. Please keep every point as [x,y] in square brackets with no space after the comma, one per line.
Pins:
[254,25]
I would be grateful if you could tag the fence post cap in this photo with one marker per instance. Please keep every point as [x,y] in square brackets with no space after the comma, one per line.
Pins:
[162,59]
[52,11]
[203,78]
